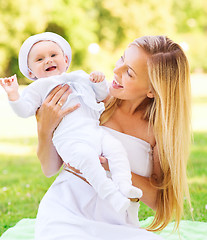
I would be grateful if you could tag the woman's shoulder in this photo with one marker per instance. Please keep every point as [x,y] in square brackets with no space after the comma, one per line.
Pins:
[133,126]
[144,130]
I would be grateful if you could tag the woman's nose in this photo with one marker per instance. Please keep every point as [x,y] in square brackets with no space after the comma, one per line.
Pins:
[115,70]
[118,67]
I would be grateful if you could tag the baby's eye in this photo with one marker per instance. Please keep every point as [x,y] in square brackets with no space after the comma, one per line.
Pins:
[39,59]
[53,55]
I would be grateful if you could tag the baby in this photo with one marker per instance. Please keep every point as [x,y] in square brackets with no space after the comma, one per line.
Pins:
[78,139]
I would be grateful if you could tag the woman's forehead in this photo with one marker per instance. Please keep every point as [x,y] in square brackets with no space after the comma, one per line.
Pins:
[135,57]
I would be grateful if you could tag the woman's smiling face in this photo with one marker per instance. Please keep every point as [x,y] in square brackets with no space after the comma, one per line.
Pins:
[131,81]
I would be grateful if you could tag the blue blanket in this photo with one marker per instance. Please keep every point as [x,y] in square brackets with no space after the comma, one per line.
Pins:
[189,230]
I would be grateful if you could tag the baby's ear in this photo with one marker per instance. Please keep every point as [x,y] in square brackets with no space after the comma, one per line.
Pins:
[67,62]
[31,74]
[66,59]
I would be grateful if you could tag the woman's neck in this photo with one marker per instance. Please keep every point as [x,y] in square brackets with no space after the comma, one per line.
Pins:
[129,107]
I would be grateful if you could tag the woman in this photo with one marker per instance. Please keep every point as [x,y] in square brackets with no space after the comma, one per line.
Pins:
[149,111]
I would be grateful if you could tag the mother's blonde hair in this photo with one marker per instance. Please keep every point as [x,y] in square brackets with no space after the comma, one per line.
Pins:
[169,114]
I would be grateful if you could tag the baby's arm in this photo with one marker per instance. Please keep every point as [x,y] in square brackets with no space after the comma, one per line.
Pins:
[26,104]
[10,86]
[99,85]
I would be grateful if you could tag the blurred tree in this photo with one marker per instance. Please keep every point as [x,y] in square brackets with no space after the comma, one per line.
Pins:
[191,26]
[136,18]
[121,21]
[74,20]
[110,24]
[19,19]
[190,15]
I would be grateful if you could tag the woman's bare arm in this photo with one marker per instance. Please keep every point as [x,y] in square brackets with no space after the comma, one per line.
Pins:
[48,118]
[149,190]
[49,159]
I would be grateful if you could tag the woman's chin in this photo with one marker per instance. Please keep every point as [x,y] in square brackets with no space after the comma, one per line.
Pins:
[115,92]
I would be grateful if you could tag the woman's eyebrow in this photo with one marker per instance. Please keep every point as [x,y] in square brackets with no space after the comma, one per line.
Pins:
[128,65]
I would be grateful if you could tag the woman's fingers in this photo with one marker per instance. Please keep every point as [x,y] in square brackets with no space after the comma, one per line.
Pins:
[70,109]
[104,163]
[59,95]
[72,168]
[63,97]
[51,113]
[52,93]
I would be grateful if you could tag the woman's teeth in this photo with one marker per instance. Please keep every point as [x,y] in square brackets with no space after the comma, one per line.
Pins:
[116,85]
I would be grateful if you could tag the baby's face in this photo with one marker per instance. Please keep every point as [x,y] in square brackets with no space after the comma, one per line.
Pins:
[46,59]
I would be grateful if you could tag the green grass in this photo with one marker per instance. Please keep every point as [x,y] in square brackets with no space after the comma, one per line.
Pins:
[197,173]
[22,183]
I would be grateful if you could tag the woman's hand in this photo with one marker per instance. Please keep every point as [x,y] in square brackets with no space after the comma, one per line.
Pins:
[72,168]
[104,163]
[50,114]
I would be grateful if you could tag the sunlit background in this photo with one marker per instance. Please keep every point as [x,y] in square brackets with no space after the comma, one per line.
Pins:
[99,31]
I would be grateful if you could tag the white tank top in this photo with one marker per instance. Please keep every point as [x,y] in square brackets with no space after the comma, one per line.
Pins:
[139,152]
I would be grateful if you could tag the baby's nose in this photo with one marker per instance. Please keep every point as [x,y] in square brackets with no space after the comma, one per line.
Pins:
[48,60]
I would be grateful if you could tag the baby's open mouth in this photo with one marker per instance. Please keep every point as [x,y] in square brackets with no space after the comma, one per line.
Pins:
[51,68]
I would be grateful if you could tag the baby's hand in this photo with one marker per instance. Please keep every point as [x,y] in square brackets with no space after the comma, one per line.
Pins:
[7,81]
[97,77]
[10,86]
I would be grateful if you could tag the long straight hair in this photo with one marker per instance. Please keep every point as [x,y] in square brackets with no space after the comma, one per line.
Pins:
[169,114]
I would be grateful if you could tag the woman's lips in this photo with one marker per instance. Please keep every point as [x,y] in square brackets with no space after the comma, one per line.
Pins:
[116,85]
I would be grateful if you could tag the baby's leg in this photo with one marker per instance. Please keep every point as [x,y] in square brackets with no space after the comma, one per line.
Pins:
[84,158]
[119,166]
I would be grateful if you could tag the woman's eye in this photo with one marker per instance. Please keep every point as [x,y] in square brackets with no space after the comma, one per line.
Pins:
[122,58]
[129,73]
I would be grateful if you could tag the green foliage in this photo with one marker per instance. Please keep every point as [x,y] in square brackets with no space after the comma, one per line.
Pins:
[191,16]
[19,20]
[197,51]
[111,24]
[191,28]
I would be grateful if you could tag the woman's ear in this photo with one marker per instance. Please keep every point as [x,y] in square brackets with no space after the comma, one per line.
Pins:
[150,94]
